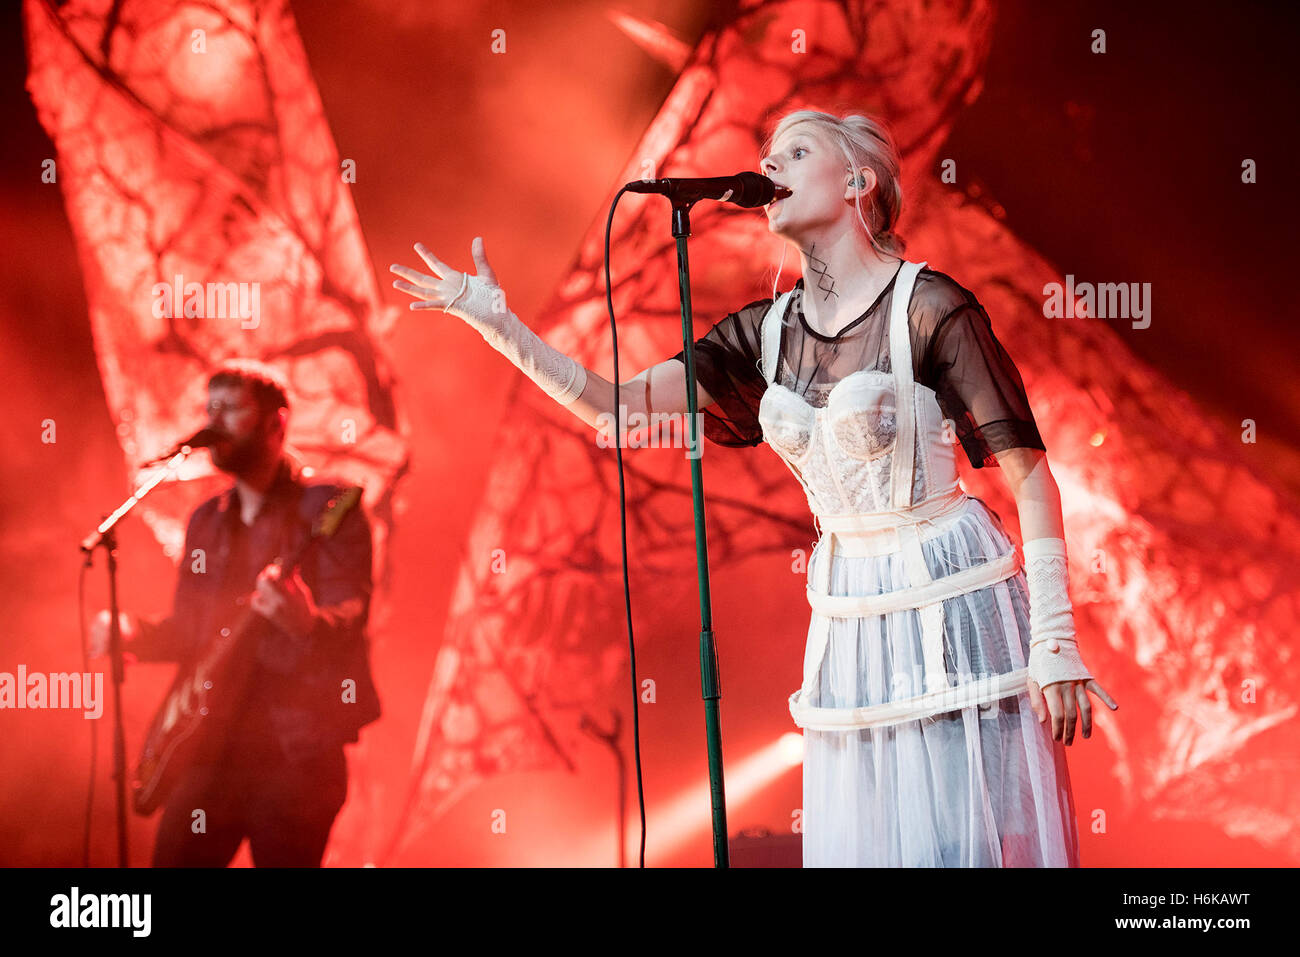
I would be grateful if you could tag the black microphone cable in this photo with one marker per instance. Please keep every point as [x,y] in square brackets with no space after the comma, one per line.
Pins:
[622,512]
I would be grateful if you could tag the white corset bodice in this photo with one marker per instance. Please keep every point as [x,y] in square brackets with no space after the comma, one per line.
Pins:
[843,454]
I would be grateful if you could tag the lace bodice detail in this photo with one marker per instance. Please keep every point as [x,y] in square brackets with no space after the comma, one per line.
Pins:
[843,452]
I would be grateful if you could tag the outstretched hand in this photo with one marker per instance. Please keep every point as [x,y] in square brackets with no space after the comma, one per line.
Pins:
[1062,699]
[446,285]
[480,301]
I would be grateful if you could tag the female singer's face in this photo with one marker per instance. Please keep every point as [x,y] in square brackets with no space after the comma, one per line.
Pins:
[817,176]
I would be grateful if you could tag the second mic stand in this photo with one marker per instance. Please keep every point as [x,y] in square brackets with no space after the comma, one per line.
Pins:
[105,536]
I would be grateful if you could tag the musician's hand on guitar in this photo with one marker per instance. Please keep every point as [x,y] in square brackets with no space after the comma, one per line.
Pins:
[98,644]
[284,600]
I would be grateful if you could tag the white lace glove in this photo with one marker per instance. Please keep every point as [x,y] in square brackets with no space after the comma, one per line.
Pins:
[1053,651]
[480,301]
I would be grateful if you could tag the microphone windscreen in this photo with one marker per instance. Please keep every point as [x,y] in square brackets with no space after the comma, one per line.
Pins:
[755,190]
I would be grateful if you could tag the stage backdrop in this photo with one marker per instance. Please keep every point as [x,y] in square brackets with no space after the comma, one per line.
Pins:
[192,142]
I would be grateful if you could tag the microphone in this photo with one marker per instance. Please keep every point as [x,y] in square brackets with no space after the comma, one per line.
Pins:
[202,439]
[747,189]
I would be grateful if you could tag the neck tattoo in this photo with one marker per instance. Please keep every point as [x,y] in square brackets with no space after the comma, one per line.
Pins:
[825,281]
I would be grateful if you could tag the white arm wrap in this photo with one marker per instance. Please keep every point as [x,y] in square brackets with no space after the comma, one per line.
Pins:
[483,307]
[1053,651]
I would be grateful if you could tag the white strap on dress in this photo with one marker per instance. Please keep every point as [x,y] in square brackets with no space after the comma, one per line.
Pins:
[770,334]
[901,476]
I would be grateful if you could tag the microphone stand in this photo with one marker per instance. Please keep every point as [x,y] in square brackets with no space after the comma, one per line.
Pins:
[105,536]
[710,683]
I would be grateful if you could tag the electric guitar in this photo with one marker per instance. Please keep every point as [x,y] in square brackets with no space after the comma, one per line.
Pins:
[195,717]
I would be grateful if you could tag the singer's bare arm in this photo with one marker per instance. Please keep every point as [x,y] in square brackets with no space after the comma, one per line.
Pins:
[659,389]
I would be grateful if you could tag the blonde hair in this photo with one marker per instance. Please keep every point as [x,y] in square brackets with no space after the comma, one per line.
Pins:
[864,141]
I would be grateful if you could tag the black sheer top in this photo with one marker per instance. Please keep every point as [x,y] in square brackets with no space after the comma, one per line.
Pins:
[954,352]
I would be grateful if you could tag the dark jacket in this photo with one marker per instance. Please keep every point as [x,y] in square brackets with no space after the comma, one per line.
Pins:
[309,692]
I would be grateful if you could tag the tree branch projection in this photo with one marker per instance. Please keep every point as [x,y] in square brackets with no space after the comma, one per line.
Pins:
[192,142]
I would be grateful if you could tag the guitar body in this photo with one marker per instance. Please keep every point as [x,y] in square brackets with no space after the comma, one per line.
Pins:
[198,708]
[195,717]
